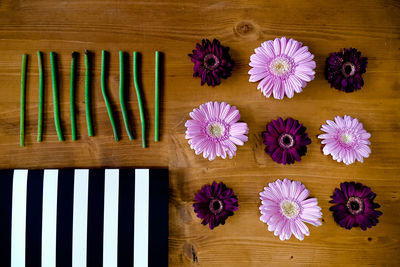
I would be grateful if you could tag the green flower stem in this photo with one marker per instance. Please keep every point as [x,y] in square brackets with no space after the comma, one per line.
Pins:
[103,90]
[87,95]
[135,80]
[41,85]
[157,98]
[122,94]
[55,97]
[22,101]
[72,95]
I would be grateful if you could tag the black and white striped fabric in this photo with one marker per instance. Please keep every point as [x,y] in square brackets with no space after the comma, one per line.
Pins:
[81,217]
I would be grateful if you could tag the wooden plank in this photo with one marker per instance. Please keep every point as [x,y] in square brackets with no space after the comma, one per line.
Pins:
[173,27]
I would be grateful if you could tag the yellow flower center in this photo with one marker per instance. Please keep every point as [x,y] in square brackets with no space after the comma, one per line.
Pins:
[346,138]
[290,209]
[216,129]
[280,66]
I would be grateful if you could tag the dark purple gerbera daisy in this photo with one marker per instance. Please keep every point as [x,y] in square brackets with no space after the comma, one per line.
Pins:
[214,204]
[344,70]
[354,206]
[286,140]
[211,62]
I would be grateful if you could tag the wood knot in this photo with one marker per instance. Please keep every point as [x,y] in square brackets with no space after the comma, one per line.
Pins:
[190,252]
[245,28]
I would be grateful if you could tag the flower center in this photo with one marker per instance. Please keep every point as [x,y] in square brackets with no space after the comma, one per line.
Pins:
[216,206]
[280,66]
[211,62]
[286,140]
[355,205]
[216,129]
[346,138]
[348,69]
[290,209]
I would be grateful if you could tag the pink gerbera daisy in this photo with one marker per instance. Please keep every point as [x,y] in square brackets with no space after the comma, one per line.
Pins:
[345,139]
[284,208]
[283,66]
[215,131]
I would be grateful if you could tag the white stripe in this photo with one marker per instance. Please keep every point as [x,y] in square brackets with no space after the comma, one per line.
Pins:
[110,233]
[18,218]
[141,218]
[49,219]
[80,213]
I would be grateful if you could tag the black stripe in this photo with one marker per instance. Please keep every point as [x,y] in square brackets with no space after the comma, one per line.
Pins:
[65,199]
[6,181]
[158,218]
[95,218]
[126,215]
[34,200]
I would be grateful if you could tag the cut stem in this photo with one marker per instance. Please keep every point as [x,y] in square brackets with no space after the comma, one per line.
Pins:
[72,95]
[22,101]
[122,94]
[157,98]
[105,96]
[55,97]
[139,98]
[87,95]
[41,85]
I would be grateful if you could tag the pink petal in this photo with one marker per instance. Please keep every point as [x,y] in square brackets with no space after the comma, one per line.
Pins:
[239,128]
[262,52]
[230,145]
[256,58]
[311,202]
[303,228]
[216,110]
[236,140]
[303,76]
[303,57]
[241,137]
[277,47]
[303,195]
[258,70]
[300,51]
[289,89]
[283,45]
[269,48]
[296,231]
[257,77]
[197,115]
[288,46]
[295,46]
[286,188]
[278,90]
[233,116]
[224,110]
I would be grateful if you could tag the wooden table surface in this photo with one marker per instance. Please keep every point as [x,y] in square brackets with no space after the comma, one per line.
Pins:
[174,27]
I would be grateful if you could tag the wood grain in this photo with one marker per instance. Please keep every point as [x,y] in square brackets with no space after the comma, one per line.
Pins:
[174,27]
